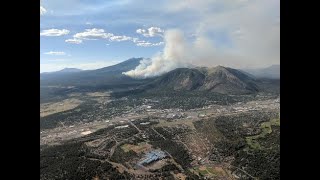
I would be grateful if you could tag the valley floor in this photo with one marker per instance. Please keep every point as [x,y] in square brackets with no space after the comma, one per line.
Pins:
[217,141]
[63,133]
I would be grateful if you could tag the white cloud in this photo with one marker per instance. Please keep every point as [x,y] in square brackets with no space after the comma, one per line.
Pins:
[93,34]
[158,44]
[42,10]
[89,23]
[148,44]
[140,31]
[60,53]
[74,41]
[151,32]
[120,38]
[144,43]
[136,40]
[54,32]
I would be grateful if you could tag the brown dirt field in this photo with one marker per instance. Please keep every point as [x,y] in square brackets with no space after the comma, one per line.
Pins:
[94,143]
[180,176]
[158,164]
[196,144]
[142,147]
[98,94]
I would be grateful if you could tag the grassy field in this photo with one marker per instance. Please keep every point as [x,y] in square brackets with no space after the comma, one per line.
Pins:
[52,108]
[136,148]
[165,123]
[275,122]
[210,171]
[266,128]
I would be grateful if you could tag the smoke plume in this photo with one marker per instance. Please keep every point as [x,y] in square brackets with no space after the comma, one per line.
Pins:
[177,53]
[238,34]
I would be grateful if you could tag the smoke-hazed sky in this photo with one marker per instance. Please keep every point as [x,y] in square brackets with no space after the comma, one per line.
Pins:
[93,34]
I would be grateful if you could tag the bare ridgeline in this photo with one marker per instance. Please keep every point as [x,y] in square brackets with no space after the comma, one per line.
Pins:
[189,123]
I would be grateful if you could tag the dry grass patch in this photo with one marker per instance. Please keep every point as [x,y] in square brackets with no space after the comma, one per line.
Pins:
[141,147]
[52,108]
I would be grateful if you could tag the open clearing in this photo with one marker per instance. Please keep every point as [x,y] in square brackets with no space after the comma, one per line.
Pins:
[158,164]
[212,171]
[180,176]
[266,129]
[98,94]
[86,132]
[52,108]
[166,123]
[141,147]
[100,97]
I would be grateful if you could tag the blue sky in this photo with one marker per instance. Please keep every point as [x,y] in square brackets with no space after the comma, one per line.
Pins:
[90,34]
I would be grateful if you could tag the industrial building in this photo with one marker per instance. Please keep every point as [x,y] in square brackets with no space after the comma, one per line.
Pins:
[153,156]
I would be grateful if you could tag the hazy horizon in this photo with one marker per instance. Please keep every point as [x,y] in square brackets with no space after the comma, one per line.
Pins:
[111,64]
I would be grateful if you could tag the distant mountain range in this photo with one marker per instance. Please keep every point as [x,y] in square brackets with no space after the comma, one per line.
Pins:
[62,71]
[217,79]
[103,76]
[55,74]
[69,70]
[268,72]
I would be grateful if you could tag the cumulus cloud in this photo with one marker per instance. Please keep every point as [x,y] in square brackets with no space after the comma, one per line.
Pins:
[136,40]
[141,31]
[144,43]
[54,32]
[148,44]
[42,10]
[93,34]
[151,32]
[74,41]
[120,38]
[89,34]
[158,44]
[60,53]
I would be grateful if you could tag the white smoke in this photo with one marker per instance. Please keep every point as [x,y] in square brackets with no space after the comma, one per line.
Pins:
[233,33]
[177,53]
